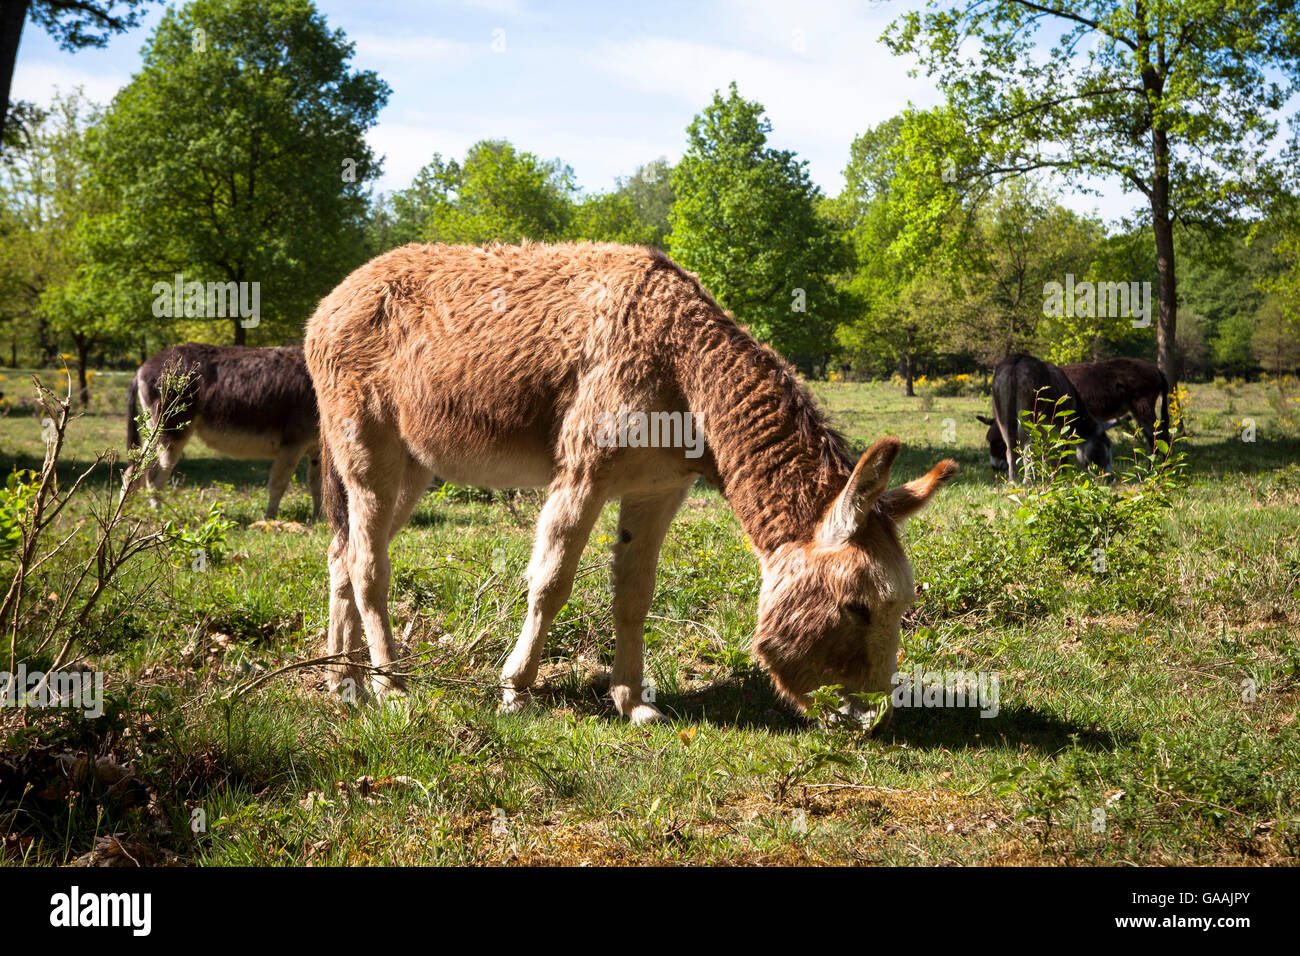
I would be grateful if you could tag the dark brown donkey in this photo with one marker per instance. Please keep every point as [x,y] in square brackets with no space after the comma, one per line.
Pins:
[240,401]
[1111,388]
[511,366]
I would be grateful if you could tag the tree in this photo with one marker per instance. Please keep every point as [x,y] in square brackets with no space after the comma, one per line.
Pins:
[75,24]
[611,217]
[650,190]
[745,218]
[45,195]
[236,155]
[635,212]
[497,193]
[886,329]
[1275,342]
[1170,97]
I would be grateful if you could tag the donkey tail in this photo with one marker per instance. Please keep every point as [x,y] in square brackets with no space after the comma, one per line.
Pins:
[335,492]
[132,409]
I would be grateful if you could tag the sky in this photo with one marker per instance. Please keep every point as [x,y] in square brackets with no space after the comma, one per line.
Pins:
[604,86]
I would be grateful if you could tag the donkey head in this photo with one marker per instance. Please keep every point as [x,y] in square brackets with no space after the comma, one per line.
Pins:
[997,447]
[1095,449]
[829,608]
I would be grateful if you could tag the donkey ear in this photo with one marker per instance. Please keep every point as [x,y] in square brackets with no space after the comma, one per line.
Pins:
[906,500]
[984,419]
[870,477]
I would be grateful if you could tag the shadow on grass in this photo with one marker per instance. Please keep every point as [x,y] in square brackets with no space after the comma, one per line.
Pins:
[749,702]
[962,728]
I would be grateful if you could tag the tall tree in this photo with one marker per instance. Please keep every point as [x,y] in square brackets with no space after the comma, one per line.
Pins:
[1171,98]
[745,217]
[497,193]
[75,24]
[44,197]
[237,155]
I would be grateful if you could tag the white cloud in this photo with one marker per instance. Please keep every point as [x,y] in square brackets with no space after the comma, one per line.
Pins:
[38,80]
[817,101]
[429,52]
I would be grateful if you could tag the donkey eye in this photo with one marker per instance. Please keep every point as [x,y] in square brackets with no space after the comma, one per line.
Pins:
[859,611]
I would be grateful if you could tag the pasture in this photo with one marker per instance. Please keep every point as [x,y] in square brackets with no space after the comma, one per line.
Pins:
[1147,713]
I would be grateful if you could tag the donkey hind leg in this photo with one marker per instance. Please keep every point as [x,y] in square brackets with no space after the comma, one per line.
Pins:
[374,499]
[565,524]
[345,627]
[642,524]
[282,469]
[345,630]
[1144,414]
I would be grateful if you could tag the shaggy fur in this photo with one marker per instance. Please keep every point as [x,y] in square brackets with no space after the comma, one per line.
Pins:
[491,366]
[243,402]
[1022,382]
[1110,388]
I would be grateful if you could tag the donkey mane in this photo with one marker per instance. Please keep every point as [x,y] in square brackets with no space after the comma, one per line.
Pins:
[777,461]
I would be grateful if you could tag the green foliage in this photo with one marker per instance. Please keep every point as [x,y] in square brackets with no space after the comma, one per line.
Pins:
[498,193]
[745,218]
[245,116]
[208,536]
[16,500]
[1176,100]
[1080,521]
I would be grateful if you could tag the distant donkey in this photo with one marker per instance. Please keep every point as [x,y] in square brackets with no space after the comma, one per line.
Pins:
[1110,388]
[502,366]
[242,402]
[1024,383]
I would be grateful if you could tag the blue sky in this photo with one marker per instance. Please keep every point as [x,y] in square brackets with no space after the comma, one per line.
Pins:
[604,86]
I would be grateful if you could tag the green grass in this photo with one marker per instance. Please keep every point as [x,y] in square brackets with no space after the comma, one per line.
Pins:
[1120,692]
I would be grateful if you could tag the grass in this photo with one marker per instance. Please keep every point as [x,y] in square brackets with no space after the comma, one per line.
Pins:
[1148,713]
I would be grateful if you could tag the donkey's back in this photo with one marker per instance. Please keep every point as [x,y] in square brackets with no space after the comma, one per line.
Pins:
[506,341]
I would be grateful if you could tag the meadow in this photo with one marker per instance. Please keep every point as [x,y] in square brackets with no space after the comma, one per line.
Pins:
[1143,635]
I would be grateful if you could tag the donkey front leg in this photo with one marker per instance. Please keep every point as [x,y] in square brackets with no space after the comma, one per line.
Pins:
[562,530]
[159,473]
[314,481]
[642,524]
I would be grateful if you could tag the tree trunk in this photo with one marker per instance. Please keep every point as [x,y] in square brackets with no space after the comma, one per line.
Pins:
[240,331]
[1163,227]
[83,386]
[12,15]
[907,367]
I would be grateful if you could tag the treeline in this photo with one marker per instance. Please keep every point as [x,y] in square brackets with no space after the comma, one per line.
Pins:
[236,156]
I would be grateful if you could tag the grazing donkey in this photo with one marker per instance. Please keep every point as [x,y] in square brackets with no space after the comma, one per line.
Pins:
[1114,387]
[1022,382]
[243,402]
[1110,388]
[501,366]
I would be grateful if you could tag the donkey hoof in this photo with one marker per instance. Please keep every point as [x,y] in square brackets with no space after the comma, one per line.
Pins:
[387,691]
[644,714]
[348,685]
[513,701]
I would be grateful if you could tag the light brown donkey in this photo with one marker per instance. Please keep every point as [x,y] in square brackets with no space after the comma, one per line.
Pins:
[511,367]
